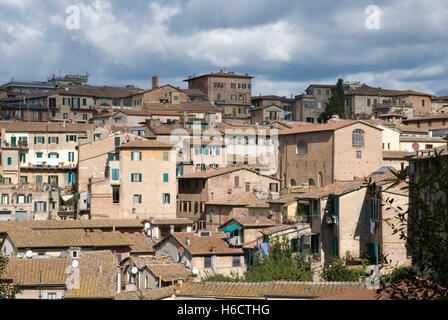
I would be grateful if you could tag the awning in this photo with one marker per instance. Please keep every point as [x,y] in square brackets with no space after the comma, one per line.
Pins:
[287,113]
[231,229]
[66,198]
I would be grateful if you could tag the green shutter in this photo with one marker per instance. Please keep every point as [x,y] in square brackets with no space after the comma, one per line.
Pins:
[35,140]
[165,177]
[35,206]
[139,198]
[132,177]
[57,140]
[315,208]
[45,206]
[13,141]
[140,177]
[66,138]
[75,137]
[140,156]
[57,155]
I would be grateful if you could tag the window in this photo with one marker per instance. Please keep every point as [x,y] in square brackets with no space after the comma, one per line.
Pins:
[115,194]
[273,187]
[166,199]
[136,156]
[53,140]
[5,199]
[71,157]
[358,154]
[358,138]
[115,174]
[84,101]
[22,157]
[165,177]
[428,146]
[165,156]
[39,180]
[39,140]
[40,206]
[237,181]
[247,186]
[70,138]
[368,102]
[136,177]
[137,198]
[207,262]
[9,161]
[236,261]
[23,180]
[65,115]
[302,147]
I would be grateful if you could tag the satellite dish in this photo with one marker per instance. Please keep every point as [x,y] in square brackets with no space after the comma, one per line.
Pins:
[29,253]
[75,264]
[410,149]
[195,271]
[134,270]
[147,225]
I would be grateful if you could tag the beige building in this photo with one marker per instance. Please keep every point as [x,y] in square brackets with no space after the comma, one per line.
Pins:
[228,90]
[204,253]
[140,182]
[197,189]
[321,154]
[57,278]
[363,101]
[267,114]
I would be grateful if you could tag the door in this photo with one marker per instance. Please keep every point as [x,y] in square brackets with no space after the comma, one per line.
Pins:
[5,215]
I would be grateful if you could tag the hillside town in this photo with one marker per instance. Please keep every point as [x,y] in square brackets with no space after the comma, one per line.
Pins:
[127,193]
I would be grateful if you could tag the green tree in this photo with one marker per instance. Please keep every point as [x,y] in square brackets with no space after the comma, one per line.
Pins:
[8,289]
[336,270]
[281,264]
[424,227]
[336,104]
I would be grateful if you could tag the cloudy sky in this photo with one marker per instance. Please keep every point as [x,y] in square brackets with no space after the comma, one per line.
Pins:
[285,45]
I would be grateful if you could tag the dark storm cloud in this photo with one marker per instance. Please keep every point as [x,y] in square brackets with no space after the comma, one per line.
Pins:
[284,44]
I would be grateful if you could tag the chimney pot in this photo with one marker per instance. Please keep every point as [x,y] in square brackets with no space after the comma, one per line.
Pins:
[155,82]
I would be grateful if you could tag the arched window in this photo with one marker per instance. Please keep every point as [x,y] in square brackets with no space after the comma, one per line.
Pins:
[311,182]
[358,138]
[293,182]
[302,147]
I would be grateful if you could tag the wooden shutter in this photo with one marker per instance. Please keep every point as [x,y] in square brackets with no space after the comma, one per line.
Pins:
[57,140]
[132,177]
[66,138]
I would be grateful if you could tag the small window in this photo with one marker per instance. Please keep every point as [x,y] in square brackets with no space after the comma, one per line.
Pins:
[247,186]
[358,138]
[115,194]
[207,262]
[136,156]
[237,181]
[137,198]
[273,187]
[311,182]
[236,261]
[302,147]
[358,154]
[165,156]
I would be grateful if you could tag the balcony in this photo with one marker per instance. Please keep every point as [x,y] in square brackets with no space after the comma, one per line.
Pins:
[49,164]
[19,145]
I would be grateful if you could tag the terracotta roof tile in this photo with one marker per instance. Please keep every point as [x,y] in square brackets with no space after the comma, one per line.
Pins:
[283,289]
[146,144]
[324,127]
[66,238]
[211,245]
[168,271]
[139,242]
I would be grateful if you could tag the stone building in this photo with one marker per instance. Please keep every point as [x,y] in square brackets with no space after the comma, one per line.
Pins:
[320,154]
[227,90]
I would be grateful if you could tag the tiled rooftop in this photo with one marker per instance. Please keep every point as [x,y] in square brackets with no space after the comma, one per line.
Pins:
[279,289]
[66,238]
[212,245]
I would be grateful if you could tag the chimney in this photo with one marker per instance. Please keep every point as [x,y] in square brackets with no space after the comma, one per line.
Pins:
[155,82]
